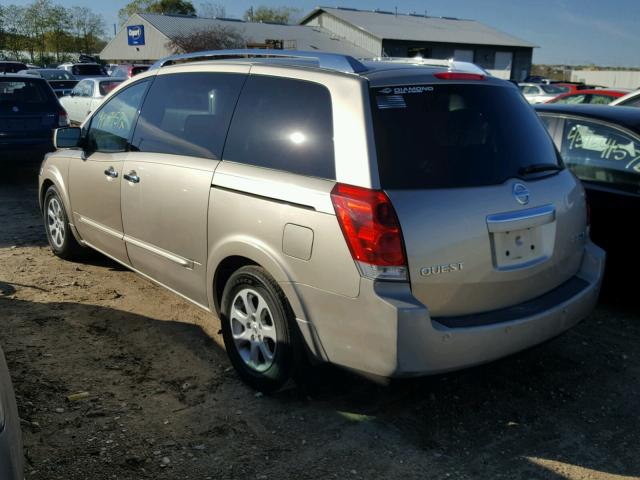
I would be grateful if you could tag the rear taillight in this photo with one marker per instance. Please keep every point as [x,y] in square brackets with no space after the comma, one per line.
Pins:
[458,76]
[372,231]
[63,118]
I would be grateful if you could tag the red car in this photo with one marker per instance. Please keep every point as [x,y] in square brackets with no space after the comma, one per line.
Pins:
[594,97]
[128,71]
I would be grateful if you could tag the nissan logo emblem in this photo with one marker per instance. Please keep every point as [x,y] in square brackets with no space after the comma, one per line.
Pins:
[520,193]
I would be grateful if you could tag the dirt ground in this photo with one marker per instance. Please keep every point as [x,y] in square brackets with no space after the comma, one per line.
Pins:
[164,403]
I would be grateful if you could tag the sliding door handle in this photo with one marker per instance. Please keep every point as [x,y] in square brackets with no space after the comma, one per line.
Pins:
[132,177]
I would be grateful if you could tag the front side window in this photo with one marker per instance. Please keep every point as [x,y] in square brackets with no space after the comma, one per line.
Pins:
[283,124]
[112,124]
[601,153]
[188,114]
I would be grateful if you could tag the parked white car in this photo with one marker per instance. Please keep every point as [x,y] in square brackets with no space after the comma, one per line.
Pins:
[86,96]
[629,100]
[541,93]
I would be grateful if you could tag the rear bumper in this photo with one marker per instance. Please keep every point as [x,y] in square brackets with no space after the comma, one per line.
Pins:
[385,331]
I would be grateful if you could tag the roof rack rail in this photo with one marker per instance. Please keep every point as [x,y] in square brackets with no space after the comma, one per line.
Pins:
[331,61]
[450,63]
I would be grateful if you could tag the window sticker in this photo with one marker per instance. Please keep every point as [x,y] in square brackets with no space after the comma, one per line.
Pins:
[390,101]
[406,90]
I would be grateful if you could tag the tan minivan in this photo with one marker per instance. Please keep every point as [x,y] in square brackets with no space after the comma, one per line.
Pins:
[394,218]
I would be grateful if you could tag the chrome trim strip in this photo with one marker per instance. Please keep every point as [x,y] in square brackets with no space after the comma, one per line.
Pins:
[102,228]
[531,217]
[183,262]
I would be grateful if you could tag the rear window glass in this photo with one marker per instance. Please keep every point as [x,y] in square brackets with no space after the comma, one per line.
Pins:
[12,67]
[87,70]
[17,93]
[455,135]
[108,85]
[137,70]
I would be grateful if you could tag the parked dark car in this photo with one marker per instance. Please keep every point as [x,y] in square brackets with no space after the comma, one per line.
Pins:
[601,145]
[84,70]
[11,67]
[29,112]
[128,71]
[61,81]
[11,463]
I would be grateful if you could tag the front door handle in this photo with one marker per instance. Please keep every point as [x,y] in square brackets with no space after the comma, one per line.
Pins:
[111,172]
[132,177]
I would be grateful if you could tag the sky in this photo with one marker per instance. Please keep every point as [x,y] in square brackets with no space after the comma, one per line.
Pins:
[572,32]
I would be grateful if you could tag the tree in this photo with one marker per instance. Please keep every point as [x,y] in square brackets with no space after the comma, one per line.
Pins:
[212,10]
[180,7]
[283,15]
[87,27]
[217,38]
[16,32]
[58,37]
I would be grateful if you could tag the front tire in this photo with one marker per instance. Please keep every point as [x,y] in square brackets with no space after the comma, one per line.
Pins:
[56,224]
[259,330]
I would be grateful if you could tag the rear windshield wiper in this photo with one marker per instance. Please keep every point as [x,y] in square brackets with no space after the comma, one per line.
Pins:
[539,167]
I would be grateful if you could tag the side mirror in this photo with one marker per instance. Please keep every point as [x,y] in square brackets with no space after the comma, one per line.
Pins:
[67,137]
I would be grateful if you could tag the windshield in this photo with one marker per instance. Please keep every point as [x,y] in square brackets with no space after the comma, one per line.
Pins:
[455,135]
[56,75]
[554,89]
[87,69]
[107,85]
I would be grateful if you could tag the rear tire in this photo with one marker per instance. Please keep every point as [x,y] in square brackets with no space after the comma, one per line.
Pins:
[258,327]
[56,224]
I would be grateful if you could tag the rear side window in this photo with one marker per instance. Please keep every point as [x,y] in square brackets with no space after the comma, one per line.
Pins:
[106,86]
[283,124]
[188,114]
[455,135]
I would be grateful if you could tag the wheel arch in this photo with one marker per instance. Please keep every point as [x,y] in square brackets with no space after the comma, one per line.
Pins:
[232,253]
[53,175]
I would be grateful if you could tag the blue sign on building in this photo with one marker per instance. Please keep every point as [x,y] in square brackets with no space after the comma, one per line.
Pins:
[135,34]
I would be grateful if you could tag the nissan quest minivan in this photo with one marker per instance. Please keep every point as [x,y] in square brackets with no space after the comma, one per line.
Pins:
[394,218]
